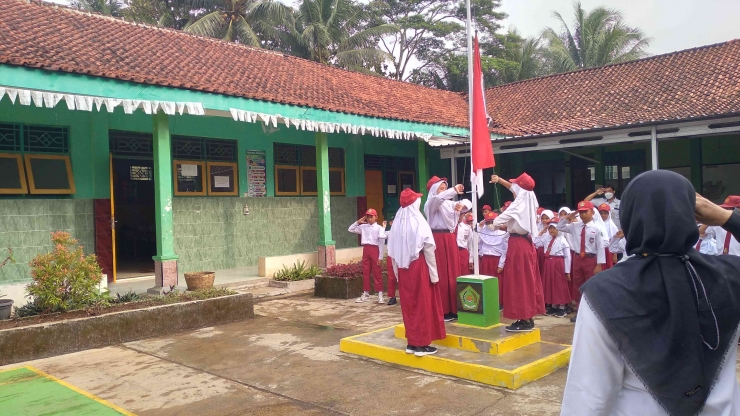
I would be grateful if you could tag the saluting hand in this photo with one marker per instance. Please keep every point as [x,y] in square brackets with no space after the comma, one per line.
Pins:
[572,216]
[362,220]
[385,224]
[543,231]
[709,213]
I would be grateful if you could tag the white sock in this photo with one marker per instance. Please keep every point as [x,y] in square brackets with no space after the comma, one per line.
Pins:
[366,293]
[380,294]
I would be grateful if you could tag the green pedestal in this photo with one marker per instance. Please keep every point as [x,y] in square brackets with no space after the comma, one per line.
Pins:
[477,301]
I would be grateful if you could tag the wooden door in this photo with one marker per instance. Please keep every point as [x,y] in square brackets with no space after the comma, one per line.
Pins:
[374,191]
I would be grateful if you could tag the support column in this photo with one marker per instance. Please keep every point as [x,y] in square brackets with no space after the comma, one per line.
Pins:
[326,251]
[165,262]
[422,167]
[654,148]
[696,164]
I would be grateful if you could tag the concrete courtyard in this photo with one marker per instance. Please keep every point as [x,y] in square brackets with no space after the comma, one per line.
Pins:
[287,361]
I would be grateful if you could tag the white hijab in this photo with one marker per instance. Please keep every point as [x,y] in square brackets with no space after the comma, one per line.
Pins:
[524,209]
[601,225]
[410,233]
[432,192]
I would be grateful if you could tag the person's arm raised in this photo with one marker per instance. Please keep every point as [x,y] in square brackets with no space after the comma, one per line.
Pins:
[599,192]
[497,179]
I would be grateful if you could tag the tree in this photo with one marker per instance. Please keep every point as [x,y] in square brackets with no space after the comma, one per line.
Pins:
[240,21]
[176,14]
[598,38]
[432,32]
[337,32]
[104,7]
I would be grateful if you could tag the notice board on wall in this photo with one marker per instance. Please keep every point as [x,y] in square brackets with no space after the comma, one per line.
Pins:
[256,173]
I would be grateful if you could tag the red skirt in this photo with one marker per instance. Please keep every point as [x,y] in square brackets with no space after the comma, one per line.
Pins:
[609,260]
[540,261]
[523,297]
[554,282]
[489,267]
[464,259]
[422,305]
[448,269]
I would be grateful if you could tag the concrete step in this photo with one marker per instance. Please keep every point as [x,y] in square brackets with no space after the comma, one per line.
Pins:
[246,284]
[512,370]
[494,340]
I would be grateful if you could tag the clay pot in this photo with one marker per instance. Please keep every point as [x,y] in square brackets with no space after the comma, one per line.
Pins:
[200,280]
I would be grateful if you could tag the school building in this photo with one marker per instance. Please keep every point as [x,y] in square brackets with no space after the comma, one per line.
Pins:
[165,153]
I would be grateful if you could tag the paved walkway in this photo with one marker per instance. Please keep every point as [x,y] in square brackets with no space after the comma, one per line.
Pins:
[287,361]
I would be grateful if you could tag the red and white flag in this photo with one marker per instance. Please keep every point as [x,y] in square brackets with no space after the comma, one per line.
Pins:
[481,148]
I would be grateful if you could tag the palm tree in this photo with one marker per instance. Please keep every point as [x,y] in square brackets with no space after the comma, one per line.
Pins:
[600,37]
[104,7]
[240,21]
[335,32]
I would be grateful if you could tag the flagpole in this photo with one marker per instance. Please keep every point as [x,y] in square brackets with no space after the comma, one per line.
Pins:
[469,29]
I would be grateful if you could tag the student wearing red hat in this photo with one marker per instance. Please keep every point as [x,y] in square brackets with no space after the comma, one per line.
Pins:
[556,269]
[392,279]
[611,230]
[492,246]
[443,215]
[412,249]
[371,233]
[464,242]
[726,243]
[590,253]
[523,297]
[486,209]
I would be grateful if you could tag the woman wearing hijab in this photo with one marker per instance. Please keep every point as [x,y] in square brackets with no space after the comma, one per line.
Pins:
[442,214]
[611,230]
[657,334]
[523,297]
[412,251]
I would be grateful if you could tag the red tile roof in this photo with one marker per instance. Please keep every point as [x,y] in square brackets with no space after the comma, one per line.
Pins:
[60,39]
[697,82]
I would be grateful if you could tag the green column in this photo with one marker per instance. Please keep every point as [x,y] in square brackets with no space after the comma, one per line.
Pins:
[599,155]
[322,183]
[163,189]
[696,164]
[422,167]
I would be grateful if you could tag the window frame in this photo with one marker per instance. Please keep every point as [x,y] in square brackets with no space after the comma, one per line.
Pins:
[234,178]
[32,183]
[203,169]
[298,180]
[344,186]
[21,173]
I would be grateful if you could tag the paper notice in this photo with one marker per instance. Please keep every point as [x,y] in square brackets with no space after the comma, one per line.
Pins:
[189,170]
[221,181]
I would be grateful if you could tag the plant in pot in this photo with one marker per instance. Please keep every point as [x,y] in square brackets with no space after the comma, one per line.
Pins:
[6,305]
[64,279]
[342,281]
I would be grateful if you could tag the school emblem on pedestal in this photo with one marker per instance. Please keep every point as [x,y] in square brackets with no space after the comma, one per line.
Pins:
[470,299]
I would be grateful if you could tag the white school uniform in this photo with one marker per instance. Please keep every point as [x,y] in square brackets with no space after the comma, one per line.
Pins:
[708,243]
[464,233]
[560,248]
[594,238]
[720,236]
[370,234]
[440,209]
[492,243]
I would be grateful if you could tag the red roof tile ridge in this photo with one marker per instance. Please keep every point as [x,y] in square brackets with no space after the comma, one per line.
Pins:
[599,68]
[235,45]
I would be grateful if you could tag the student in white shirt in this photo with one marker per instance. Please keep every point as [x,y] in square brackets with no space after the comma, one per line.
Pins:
[590,255]
[464,242]
[657,334]
[371,233]
[726,242]
[611,230]
[707,243]
[606,195]
[556,269]
[492,246]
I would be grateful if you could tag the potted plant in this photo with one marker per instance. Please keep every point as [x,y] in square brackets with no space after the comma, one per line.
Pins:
[296,278]
[342,281]
[200,280]
[6,305]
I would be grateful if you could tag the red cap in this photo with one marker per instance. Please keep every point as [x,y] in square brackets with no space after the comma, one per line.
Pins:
[491,216]
[732,201]
[434,180]
[540,210]
[469,219]
[408,196]
[585,206]
[371,212]
[524,181]
[488,207]
[605,207]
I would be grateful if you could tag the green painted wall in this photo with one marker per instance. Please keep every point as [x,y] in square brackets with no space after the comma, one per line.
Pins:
[213,233]
[26,226]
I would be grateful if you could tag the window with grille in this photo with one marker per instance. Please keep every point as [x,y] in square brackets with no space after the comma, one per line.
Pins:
[205,166]
[399,173]
[35,159]
[141,173]
[295,170]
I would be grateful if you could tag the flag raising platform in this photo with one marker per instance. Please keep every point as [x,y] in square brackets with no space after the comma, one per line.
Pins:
[486,355]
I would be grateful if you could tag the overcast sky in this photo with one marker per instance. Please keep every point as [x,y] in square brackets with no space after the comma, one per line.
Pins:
[672,24]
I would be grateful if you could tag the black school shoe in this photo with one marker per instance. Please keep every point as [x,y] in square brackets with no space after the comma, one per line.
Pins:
[392,301]
[410,349]
[551,311]
[448,317]
[422,351]
[560,313]
[573,319]
[521,326]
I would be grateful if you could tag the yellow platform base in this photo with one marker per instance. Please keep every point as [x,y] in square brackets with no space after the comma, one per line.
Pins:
[519,358]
